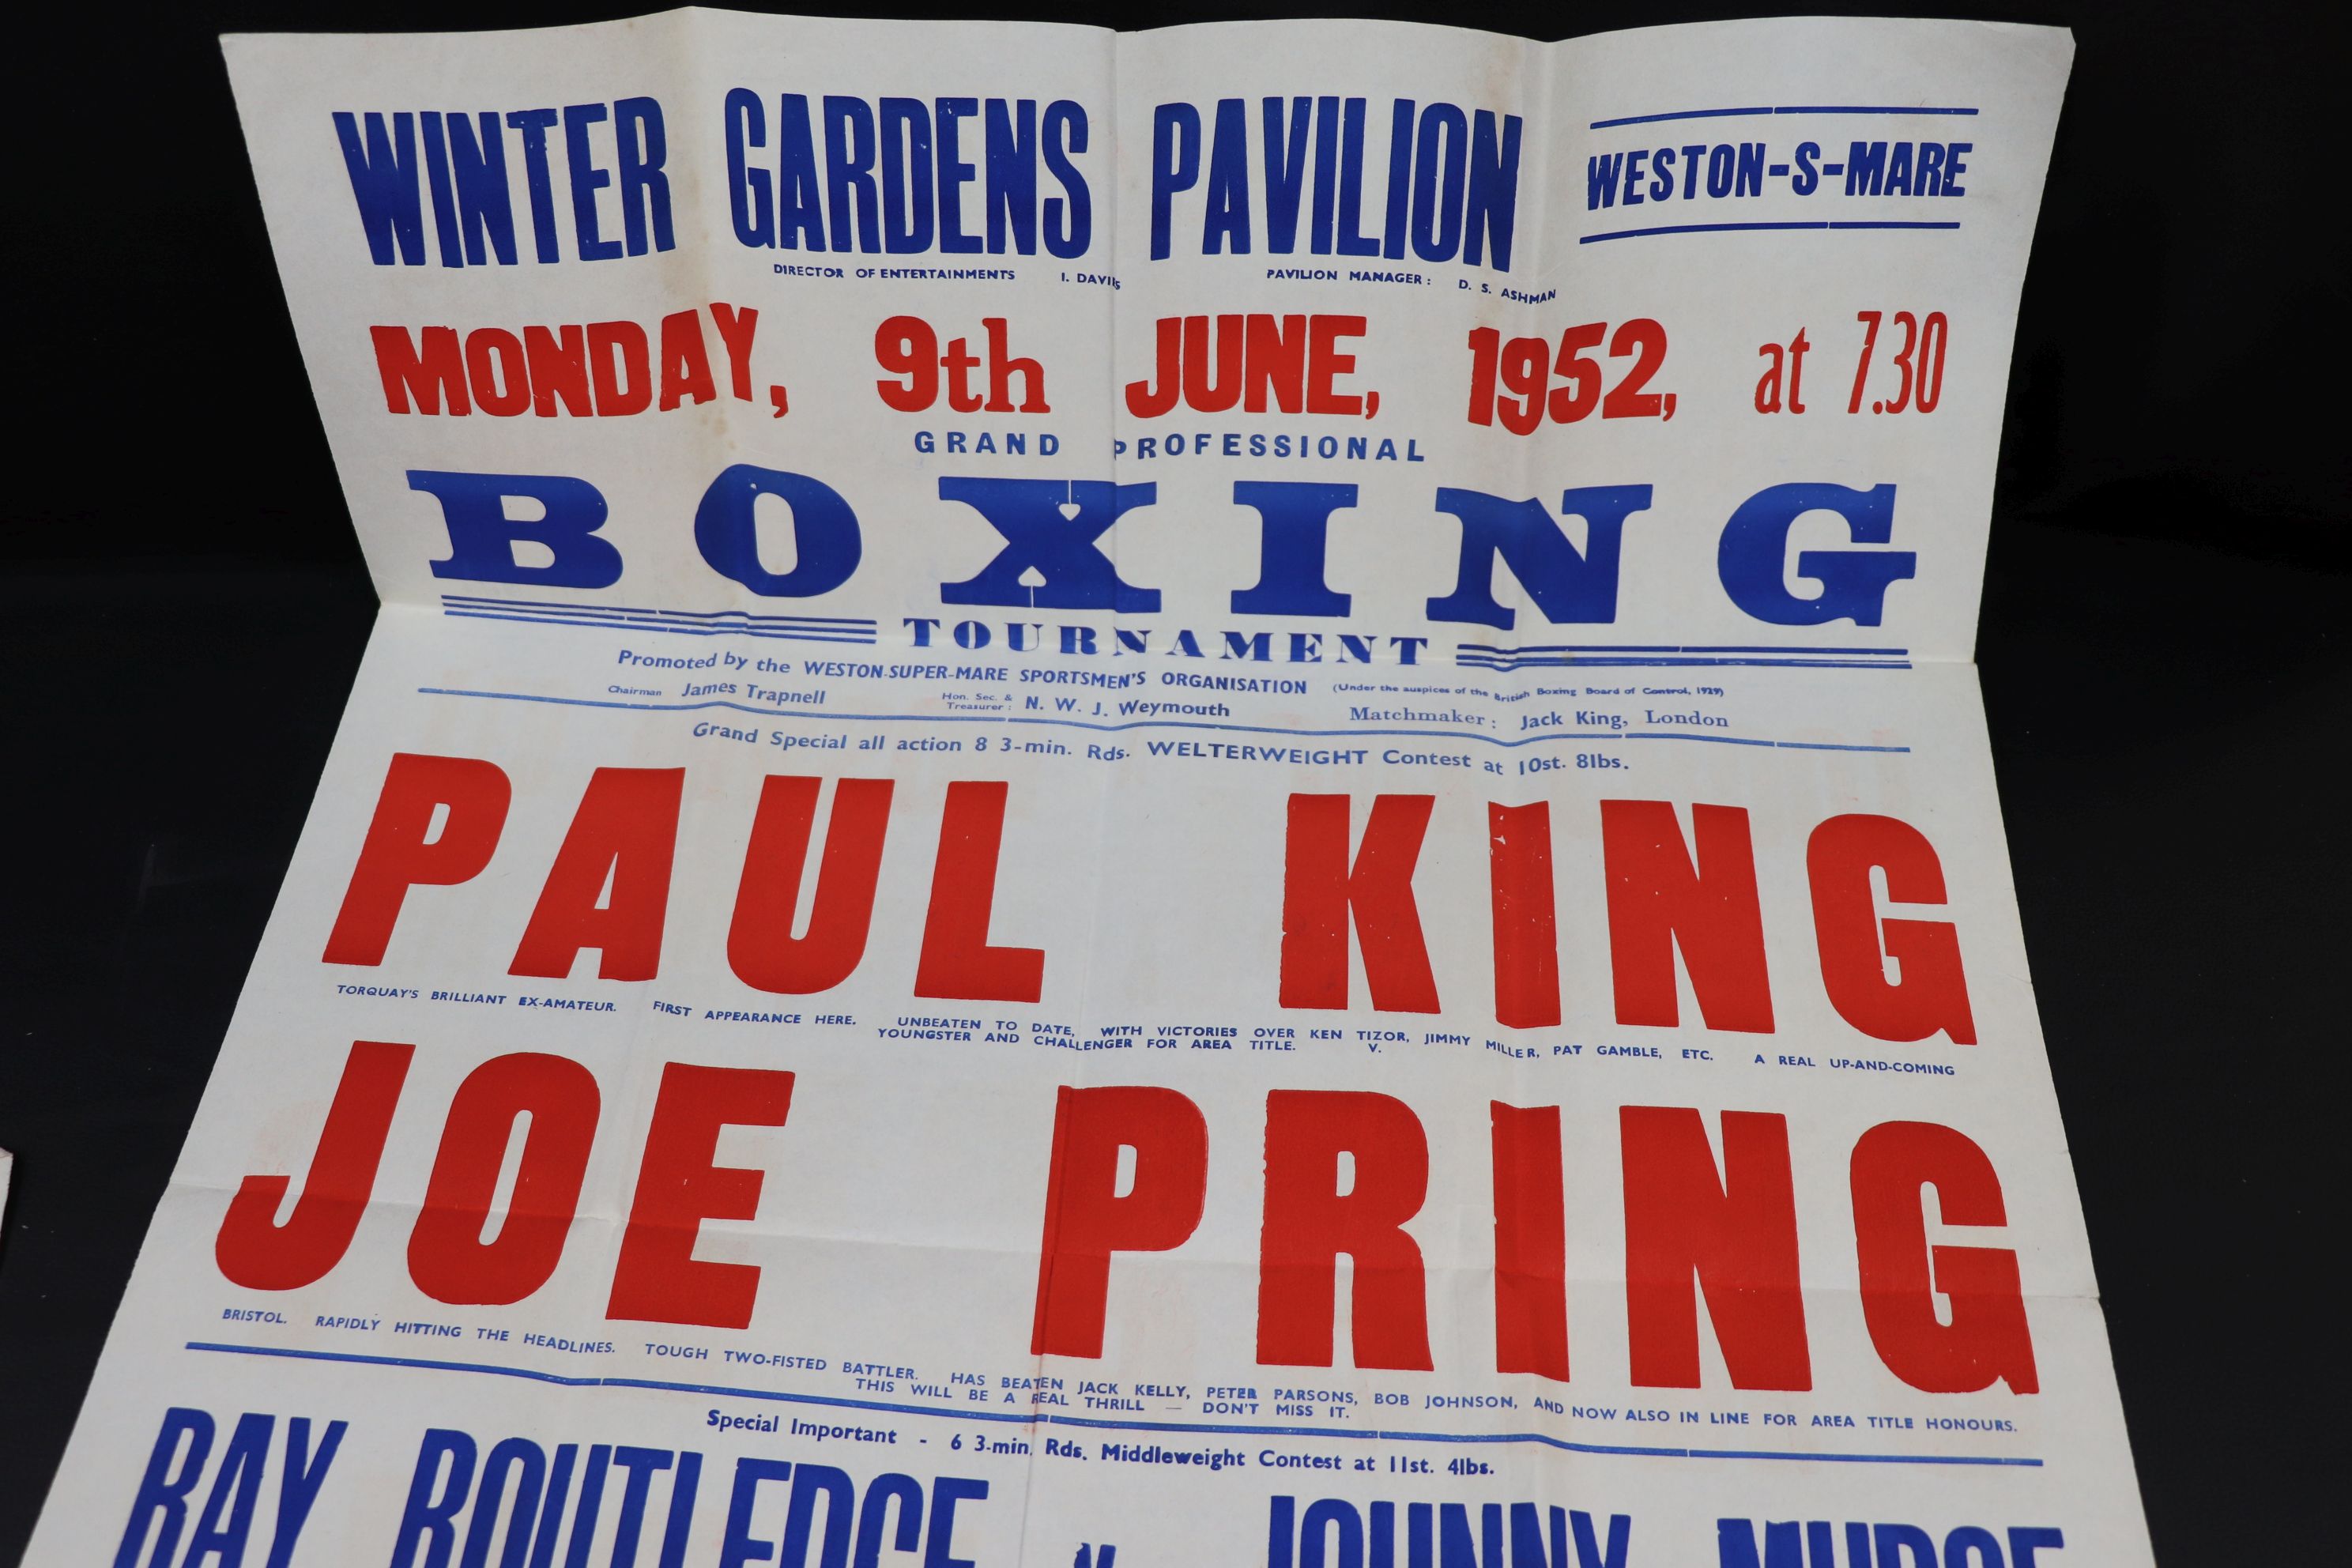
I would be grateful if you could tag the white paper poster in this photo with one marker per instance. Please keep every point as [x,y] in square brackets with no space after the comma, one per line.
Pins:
[1210,796]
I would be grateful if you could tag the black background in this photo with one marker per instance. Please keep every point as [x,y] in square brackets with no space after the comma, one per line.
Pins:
[2163,654]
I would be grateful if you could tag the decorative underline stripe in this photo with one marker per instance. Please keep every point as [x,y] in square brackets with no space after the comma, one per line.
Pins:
[810,713]
[1670,647]
[471,601]
[1735,228]
[1593,661]
[1041,1418]
[1766,109]
[862,639]
[681,623]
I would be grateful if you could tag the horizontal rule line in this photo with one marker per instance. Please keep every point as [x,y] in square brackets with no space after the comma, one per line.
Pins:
[589,607]
[811,712]
[1525,649]
[1767,108]
[782,634]
[1610,661]
[1740,227]
[1041,1418]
